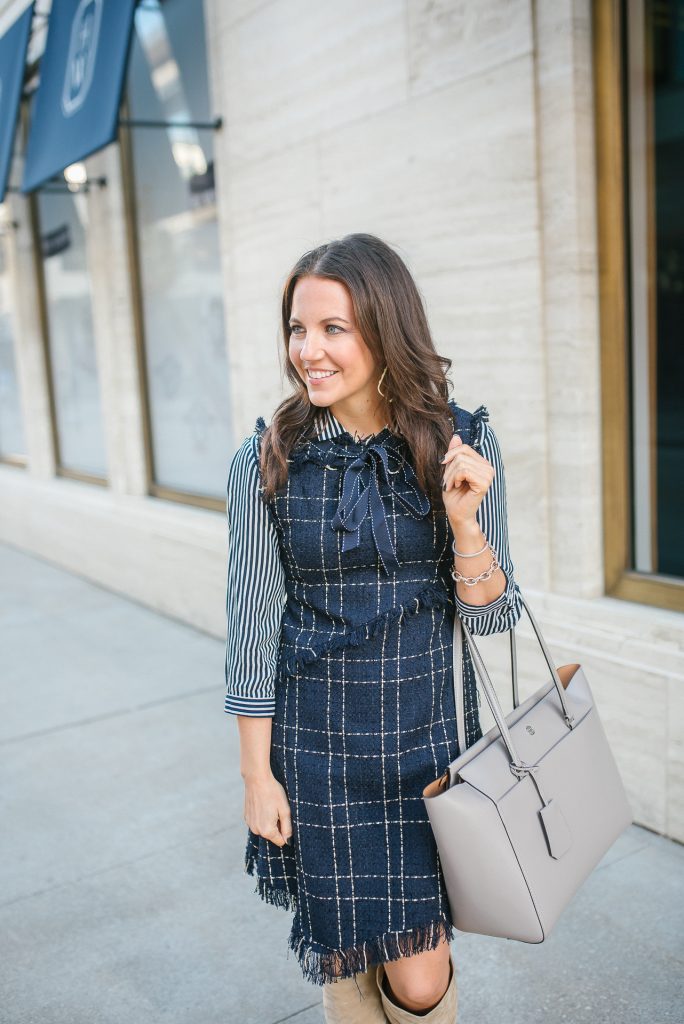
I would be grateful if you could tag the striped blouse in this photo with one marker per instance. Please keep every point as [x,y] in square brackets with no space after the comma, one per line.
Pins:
[255,593]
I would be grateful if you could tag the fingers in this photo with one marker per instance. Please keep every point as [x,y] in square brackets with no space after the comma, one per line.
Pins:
[273,823]
[273,835]
[462,464]
[286,823]
[455,444]
[461,459]
[270,832]
[476,482]
[468,468]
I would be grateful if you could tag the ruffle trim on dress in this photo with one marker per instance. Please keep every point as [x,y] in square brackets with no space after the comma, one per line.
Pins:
[480,416]
[469,424]
[336,452]
[431,596]
[322,967]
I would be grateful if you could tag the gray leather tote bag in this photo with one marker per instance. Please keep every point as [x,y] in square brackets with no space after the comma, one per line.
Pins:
[522,816]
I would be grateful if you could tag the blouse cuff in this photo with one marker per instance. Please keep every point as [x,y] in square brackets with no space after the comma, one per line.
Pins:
[256,707]
[477,610]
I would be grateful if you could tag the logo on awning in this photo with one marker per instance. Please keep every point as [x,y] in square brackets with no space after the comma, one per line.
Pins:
[85,32]
[13,43]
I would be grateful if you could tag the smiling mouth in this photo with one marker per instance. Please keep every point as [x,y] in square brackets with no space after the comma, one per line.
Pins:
[323,376]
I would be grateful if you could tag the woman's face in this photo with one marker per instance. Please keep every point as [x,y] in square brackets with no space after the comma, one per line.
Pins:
[324,336]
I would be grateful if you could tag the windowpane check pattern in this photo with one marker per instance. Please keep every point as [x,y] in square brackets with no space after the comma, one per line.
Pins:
[256,595]
[358,669]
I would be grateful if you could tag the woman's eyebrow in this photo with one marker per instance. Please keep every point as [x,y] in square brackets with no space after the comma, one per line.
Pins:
[325,321]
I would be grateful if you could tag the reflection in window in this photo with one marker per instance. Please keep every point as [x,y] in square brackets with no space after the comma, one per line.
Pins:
[173,172]
[11,428]
[63,223]
[655,158]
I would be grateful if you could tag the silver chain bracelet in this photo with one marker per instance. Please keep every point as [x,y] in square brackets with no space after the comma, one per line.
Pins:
[470,581]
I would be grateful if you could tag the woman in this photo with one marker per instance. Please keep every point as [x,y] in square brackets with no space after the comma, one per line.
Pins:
[359,521]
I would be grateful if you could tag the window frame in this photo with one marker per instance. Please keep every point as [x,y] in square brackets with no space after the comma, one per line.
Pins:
[610,107]
[132,236]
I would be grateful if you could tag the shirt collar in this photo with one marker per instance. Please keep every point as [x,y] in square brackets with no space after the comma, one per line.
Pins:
[328,426]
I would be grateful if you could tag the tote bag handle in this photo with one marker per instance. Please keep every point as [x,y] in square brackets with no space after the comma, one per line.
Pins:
[461,635]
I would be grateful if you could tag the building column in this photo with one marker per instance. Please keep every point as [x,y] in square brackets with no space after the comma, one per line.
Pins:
[30,347]
[114,324]
[569,269]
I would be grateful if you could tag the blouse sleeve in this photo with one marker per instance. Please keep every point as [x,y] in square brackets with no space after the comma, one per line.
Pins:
[492,516]
[255,592]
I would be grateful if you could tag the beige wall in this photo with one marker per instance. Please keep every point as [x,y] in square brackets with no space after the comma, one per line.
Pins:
[462,134]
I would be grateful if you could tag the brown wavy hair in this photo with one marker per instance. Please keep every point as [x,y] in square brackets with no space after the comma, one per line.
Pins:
[391,319]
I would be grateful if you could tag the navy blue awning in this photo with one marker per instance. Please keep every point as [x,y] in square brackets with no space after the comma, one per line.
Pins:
[81,77]
[12,60]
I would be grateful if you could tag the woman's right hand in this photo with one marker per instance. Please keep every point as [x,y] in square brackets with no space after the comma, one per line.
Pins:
[266,805]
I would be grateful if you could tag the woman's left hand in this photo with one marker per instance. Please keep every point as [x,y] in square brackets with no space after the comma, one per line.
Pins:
[468,477]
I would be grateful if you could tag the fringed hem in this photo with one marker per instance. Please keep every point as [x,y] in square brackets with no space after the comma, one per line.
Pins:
[322,968]
[270,893]
[431,596]
[277,897]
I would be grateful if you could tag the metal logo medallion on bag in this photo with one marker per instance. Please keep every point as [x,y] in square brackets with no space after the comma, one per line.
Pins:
[523,816]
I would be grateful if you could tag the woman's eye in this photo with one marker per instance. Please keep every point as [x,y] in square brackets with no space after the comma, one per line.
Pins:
[296,327]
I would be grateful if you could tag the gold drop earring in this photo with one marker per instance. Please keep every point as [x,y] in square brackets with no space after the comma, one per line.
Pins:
[379,382]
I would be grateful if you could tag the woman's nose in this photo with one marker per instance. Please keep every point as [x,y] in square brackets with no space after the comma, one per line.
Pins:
[311,349]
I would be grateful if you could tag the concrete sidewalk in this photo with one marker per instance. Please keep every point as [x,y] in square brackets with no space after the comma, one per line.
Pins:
[124,898]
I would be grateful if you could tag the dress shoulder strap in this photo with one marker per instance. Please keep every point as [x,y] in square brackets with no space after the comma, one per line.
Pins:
[469,424]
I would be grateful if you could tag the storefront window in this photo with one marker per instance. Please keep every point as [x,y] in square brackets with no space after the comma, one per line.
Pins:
[178,249]
[12,446]
[75,383]
[654,138]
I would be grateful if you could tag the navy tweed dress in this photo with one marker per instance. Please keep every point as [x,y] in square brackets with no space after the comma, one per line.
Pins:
[361,692]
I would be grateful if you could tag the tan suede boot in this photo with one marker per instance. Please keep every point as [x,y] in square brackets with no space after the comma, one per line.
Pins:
[444,1012]
[343,1003]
